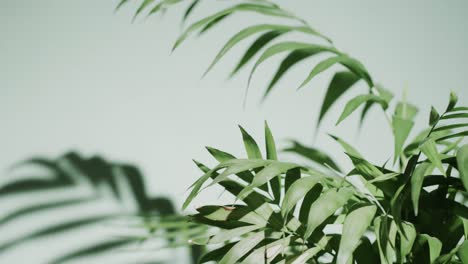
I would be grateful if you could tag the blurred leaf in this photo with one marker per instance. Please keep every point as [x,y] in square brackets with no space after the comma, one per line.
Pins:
[312,154]
[249,31]
[354,103]
[429,149]
[340,83]
[401,129]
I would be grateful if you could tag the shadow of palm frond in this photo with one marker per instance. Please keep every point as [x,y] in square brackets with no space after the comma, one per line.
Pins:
[72,182]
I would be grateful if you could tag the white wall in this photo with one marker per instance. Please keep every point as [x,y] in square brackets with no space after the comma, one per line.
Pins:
[75,75]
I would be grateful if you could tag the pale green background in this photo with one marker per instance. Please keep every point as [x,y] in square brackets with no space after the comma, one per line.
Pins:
[75,75]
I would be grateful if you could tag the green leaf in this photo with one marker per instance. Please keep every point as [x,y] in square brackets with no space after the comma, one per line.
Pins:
[405,110]
[312,154]
[347,147]
[407,240]
[322,66]
[220,155]
[306,255]
[262,9]
[434,117]
[251,147]
[462,162]
[190,9]
[143,5]
[434,245]
[341,82]
[450,127]
[384,93]
[268,252]
[401,130]
[354,103]
[241,248]
[429,149]
[288,46]
[452,102]
[463,252]
[345,60]
[325,206]
[354,227]
[235,167]
[274,169]
[225,235]
[270,144]
[252,30]
[288,62]
[296,192]
[456,135]
[417,180]
[255,47]
[455,116]
[382,237]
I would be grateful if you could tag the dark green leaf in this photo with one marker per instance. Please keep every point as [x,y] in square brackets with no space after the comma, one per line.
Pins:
[340,83]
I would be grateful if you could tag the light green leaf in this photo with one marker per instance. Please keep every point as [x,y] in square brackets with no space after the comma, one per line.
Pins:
[325,206]
[322,66]
[452,102]
[463,252]
[267,253]
[235,167]
[289,46]
[462,162]
[296,192]
[401,129]
[251,147]
[286,64]
[434,244]
[313,154]
[270,144]
[405,110]
[274,169]
[354,227]
[305,256]
[417,180]
[241,248]
[429,149]
[225,235]
[384,93]
[252,30]
[407,240]
[354,103]
[347,147]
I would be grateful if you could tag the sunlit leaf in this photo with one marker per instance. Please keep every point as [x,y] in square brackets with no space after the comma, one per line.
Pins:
[296,192]
[417,180]
[356,223]
[462,161]
[241,248]
[325,206]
